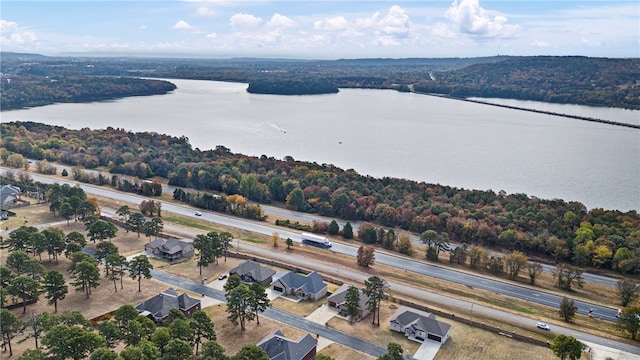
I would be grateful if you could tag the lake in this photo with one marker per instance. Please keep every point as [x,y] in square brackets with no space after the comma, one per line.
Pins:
[388,133]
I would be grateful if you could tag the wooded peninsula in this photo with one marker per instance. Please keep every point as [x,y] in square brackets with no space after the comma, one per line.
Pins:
[558,230]
[34,80]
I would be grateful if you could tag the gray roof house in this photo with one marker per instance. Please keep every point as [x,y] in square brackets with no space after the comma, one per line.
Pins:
[309,287]
[251,271]
[339,297]
[169,249]
[9,196]
[419,325]
[157,308]
[279,347]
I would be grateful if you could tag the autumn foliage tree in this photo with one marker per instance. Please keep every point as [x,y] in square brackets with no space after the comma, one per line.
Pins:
[366,256]
[558,230]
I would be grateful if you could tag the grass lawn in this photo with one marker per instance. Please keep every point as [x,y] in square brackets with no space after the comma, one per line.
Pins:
[380,335]
[467,342]
[300,308]
[232,339]
[341,352]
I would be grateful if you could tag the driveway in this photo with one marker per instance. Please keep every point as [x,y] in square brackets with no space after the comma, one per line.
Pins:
[599,352]
[321,316]
[272,294]
[216,284]
[428,350]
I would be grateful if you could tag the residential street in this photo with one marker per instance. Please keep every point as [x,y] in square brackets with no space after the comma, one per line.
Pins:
[279,315]
[428,297]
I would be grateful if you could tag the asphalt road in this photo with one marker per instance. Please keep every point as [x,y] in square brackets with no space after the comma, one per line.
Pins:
[276,212]
[394,287]
[357,276]
[470,280]
[281,316]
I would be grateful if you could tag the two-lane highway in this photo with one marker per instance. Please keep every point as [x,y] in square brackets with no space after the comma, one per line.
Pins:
[470,280]
[430,297]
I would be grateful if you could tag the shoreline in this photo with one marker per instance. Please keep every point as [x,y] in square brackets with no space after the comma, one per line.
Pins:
[578,117]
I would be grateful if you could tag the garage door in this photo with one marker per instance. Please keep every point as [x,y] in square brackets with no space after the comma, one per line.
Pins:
[277,288]
[434,337]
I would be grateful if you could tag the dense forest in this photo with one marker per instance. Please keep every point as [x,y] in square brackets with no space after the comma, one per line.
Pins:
[579,80]
[555,229]
[576,80]
[292,87]
[20,91]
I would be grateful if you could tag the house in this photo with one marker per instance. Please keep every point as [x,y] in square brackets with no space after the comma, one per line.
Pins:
[169,249]
[279,347]
[252,272]
[9,196]
[157,308]
[306,287]
[419,325]
[338,300]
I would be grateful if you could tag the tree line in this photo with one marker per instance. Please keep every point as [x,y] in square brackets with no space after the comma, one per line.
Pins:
[553,79]
[21,91]
[71,335]
[559,79]
[557,230]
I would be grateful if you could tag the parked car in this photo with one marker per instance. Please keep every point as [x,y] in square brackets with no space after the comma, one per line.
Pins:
[222,277]
[542,326]
[198,213]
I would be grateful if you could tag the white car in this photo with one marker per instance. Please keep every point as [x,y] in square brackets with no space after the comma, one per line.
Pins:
[198,213]
[542,326]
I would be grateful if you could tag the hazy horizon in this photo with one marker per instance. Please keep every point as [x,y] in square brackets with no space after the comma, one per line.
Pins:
[321,29]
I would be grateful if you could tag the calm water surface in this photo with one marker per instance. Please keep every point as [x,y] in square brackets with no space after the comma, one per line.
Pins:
[387,133]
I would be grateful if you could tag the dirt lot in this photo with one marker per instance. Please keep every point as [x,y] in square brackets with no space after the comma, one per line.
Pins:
[466,342]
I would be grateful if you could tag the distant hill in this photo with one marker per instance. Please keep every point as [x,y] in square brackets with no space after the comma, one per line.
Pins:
[556,79]
[571,79]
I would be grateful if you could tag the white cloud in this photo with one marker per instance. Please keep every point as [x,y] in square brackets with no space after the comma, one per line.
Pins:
[336,23]
[142,27]
[393,29]
[280,21]
[12,34]
[7,26]
[212,36]
[441,30]
[471,18]
[240,20]
[206,12]
[182,25]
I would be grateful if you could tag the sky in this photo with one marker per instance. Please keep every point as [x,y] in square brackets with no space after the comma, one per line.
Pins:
[321,29]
